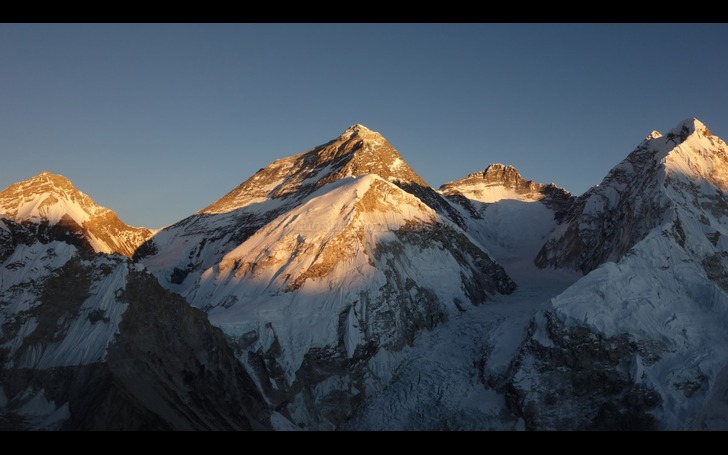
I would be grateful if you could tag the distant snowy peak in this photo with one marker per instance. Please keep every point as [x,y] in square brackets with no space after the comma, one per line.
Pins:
[58,211]
[47,197]
[357,151]
[687,167]
[497,182]
[688,151]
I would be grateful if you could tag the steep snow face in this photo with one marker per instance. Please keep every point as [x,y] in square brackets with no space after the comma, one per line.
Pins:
[56,210]
[640,341]
[55,312]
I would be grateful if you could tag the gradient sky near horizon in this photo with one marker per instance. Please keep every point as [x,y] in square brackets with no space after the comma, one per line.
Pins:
[157,121]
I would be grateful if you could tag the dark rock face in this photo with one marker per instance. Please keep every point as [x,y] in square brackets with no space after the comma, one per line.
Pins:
[433,200]
[66,230]
[175,365]
[580,380]
[558,200]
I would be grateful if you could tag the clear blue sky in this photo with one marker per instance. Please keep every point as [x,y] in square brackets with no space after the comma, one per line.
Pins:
[156,121]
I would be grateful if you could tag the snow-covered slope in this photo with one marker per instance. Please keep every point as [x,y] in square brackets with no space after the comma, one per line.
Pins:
[640,341]
[330,260]
[93,342]
[56,210]
[25,297]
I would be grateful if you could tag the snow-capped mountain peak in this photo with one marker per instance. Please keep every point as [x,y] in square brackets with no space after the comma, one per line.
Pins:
[651,242]
[357,151]
[55,210]
[679,134]
[662,172]
[48,197]
[363,132]
[499,181]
